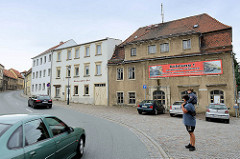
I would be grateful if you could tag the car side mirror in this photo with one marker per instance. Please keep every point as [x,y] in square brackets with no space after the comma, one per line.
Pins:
[70,130]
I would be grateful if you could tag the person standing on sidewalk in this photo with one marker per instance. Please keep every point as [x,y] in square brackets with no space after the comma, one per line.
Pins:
[192,96]
[189,121]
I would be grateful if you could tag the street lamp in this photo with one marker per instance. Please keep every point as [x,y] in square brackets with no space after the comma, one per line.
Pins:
[68,90]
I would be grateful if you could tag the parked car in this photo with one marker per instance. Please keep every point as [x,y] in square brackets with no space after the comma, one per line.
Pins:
[217,111]
[176,108]
[150,106]
[39,136]
[40,101]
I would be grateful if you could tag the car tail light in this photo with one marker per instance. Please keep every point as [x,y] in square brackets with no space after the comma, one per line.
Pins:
[50,100]
[208,110]
[170,107]
[151,106]
[138,105]
[38,100]
[226,112]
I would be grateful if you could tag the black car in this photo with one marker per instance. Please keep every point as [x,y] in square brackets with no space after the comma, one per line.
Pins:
[151,106]
[40,101]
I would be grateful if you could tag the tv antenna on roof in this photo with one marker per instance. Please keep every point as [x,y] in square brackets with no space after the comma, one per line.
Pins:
[162,14]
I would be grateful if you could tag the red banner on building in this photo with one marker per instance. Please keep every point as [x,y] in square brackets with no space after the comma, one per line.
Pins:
[186,69]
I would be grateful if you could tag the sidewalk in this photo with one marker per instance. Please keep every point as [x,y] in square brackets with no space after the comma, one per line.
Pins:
[165,136]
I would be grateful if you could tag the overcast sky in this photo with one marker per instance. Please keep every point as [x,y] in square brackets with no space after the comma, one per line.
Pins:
[28,28]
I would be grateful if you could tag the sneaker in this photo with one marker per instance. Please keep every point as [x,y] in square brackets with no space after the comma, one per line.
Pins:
[188,146]
[192,148]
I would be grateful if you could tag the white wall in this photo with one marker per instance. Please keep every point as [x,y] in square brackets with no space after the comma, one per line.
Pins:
[108,46]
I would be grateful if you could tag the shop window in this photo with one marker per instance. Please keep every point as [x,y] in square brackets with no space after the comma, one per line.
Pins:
[160,96]
[216,96]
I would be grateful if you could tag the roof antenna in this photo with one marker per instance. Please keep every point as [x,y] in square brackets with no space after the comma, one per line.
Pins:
[162,14]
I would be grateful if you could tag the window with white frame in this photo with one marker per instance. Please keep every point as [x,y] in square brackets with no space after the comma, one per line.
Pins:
[49,72]
[76,70]
[186,44]
[40,74]
[86,68]
[32,88]
[34,63]
[33,75]
[37,62]
[43,86]
[86,89]
[131,98]
[45,59]
[69,55]
[164,47]
[120,98]
[99,49]
[50,58]
[131,73]
[77,53]
[40,61]
[119,73]
[36,87]
[59,56]
[75,90]
[44,73]
[58,72]
[87,51]
[39,87]
[133,52]
[98,69]
[152,49]
[37,74]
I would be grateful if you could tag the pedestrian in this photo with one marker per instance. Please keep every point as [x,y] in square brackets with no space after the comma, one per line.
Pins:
[192,96]
[189,121]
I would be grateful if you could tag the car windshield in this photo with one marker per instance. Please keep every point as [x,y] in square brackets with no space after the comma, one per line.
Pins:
[3,128]
[148,101]
[43,97]
[178,103]
[217,106]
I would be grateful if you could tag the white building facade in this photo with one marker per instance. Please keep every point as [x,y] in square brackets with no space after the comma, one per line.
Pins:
[83,68]
[42,69]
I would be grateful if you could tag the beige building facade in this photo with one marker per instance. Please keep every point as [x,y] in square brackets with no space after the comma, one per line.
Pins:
[162,61]
[1,77]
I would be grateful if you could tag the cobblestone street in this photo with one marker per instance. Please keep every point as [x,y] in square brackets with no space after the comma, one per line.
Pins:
[167,136]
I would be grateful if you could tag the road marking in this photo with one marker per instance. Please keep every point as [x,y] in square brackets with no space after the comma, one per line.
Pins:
[29,110]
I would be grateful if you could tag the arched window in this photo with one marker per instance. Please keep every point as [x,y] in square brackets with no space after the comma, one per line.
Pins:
[159,95]
[216,96]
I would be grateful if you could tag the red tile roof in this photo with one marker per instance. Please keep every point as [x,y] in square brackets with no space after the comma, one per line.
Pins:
[17,73]
[9,74]
[198,24]
[52,48]
[202,23]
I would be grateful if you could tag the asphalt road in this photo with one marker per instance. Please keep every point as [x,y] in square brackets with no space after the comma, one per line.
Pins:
[105,139]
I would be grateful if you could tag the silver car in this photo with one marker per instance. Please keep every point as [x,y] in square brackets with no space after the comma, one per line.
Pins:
[176,108]
[217,111]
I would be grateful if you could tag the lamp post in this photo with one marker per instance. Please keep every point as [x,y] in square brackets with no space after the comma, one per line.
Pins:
[68,91]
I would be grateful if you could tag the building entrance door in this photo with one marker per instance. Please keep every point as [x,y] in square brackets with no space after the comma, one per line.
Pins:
[159,95]
[100,94]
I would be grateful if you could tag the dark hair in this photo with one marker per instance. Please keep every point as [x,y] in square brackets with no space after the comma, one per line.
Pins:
[190,89]
[186,97]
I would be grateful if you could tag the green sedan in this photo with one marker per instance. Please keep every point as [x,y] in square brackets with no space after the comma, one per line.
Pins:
[24,136]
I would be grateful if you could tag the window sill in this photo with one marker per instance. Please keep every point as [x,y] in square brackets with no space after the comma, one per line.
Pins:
[186,49]
[86,76]
[164,51]
[57,97]
[76,95]
[98,54]
[68,77]
[59,61]
[68,59]
[58,78]
[77,58]
[86,95]
[119,80]
[132,79]
[76,76]
[86,56]
[99,75]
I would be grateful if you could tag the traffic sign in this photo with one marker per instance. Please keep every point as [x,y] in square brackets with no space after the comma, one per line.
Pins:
[144,86]
[48,85]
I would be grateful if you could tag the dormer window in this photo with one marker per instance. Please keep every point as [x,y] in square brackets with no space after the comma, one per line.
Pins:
[164,47]
[133,52]
[186,44]
[152,49]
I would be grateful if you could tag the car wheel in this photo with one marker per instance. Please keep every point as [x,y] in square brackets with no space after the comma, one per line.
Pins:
[139,112]
[29,104]
[227,121]
[80,148]
[49,106]
[155,111]
[171,115]
[34,106]
[207,119]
